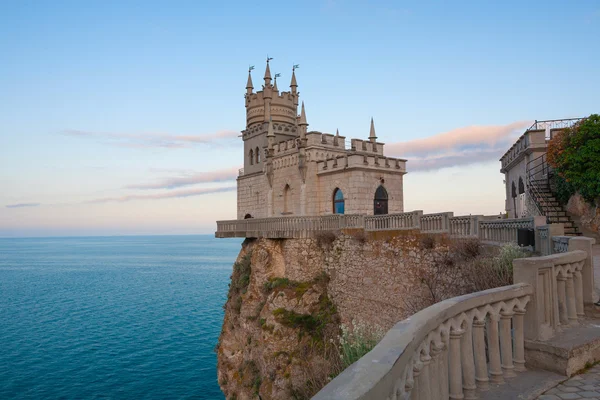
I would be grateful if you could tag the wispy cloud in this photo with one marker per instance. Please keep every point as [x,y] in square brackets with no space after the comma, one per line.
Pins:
[21,205]
[159,196]
[153,140]
[188,179]
[460,146]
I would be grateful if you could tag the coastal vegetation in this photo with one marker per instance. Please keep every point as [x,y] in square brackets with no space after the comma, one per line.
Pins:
[574,153]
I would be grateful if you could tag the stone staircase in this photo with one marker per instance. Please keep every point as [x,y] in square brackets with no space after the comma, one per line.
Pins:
[540,192]
[552,209]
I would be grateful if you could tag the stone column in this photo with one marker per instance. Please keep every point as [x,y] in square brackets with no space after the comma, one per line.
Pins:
[562,299]
[417,382]
[519,340]
[270,203]
[454,365]
[481,373]
[506,344]
[587,272]
[571,307]
[435,370]
[468,365]
[578,294]
[494,350]
[425,377]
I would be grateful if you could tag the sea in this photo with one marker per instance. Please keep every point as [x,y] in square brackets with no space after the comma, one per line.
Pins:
[126,317]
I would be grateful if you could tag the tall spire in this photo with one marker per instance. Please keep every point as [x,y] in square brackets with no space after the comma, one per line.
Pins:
[293,84]
[249,85]
[303,117]
[268,72]
[372,136]
[275,85]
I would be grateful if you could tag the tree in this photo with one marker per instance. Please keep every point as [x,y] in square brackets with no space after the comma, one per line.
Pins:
[575,155]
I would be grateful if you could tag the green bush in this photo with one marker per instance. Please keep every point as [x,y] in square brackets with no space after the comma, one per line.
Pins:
[575,154]
[562,189]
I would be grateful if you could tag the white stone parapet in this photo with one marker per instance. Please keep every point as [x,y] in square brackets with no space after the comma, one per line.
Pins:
[440,352]
[408,220]
[558,283]
[505,230]
[464,226]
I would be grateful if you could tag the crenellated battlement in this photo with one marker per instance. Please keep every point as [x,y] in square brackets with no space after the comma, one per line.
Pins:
[336,162]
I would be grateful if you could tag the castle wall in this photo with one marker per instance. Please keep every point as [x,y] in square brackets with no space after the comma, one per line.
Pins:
[252,196]
[358,187]
[285,172]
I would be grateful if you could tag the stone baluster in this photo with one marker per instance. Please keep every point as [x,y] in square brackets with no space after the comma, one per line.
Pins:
[443,384]
[468,365]
[562,298]
[519,340]
[435,369]
[506,344]
[455,371]
[425,377]
[571,301]
[481,373]
[578,293]
[494,350]
[417,382]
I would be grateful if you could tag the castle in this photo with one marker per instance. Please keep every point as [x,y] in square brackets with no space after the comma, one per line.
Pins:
[289,170]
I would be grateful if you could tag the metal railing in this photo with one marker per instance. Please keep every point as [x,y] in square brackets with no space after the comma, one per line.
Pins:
[554,124]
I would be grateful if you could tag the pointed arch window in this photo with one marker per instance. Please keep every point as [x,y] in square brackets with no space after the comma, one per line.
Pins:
[338,201]
[380,202]
[251,156]
[257,156]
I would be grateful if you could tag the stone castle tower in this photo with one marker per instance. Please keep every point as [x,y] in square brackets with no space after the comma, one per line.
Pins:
[291,171]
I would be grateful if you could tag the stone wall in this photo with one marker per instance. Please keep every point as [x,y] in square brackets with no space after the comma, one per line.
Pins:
[252,195]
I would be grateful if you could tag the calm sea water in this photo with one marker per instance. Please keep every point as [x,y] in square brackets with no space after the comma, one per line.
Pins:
[112,317]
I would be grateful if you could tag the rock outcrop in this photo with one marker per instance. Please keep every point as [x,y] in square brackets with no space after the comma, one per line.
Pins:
[288,297]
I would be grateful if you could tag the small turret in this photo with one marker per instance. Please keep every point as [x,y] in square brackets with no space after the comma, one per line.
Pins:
[249,85]
[336,138]
[268,74]
[293,84]
[372,136]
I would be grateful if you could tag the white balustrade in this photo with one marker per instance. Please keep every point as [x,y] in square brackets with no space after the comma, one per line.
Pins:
[503,230]
[558,284]
[436,223]
[464,226]
[440,352]
[560,244]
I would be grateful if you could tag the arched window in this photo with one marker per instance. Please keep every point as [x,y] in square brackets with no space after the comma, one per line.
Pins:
[286,199]
[380,203]
[251,157]
[247,216]
[338,201]
[257,155]
[521,186]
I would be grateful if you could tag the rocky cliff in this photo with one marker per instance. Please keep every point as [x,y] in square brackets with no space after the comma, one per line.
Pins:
[288,297]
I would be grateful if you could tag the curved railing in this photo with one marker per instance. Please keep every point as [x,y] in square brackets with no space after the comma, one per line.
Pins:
[440,352]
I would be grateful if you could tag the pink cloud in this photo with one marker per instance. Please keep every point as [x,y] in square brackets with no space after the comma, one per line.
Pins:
[462,146]
[191,179]
[153,140]
[159,196]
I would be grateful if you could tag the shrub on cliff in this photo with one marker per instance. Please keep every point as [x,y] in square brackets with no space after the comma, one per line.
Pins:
[357,340]
[575,155]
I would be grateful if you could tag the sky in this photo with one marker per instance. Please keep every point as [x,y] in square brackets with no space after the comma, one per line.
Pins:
[122,117]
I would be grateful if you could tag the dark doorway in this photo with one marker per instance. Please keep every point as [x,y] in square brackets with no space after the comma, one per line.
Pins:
[381,201]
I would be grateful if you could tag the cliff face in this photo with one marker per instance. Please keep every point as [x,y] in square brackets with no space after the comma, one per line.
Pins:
[588,215]
[288,297]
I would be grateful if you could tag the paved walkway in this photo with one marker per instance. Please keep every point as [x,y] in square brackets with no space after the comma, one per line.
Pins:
[584,386]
